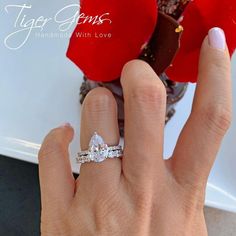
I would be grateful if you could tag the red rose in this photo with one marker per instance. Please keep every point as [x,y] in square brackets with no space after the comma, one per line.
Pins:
[133,22]
[102,59]
[199,17]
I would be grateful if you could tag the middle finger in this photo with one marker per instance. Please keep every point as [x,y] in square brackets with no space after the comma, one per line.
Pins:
[145,105]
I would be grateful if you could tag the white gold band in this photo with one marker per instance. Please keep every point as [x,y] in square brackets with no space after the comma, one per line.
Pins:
[111,148]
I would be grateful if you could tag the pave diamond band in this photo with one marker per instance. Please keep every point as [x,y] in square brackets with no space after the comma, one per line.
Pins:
[112,148]
[87,157]
[99,151]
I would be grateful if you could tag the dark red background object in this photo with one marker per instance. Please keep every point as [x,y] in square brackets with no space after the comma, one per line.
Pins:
[164,44]
[199,17]
[102,59]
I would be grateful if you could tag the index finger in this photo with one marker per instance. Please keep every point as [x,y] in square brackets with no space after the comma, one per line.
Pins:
[210,118]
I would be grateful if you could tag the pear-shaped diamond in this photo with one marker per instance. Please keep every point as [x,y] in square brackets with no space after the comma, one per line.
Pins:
[98,149]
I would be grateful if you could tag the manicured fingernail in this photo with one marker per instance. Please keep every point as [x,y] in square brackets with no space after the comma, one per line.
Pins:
[217,38]
[65,125]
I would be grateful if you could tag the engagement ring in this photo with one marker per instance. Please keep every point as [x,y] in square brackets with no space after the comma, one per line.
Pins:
[99,151]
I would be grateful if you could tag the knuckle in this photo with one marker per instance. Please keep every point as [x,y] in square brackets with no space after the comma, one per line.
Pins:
[217,118]
[143,202]
[219,69]
[52,145]
[193,197]
[110,205]
[221,63]
[217,64]
[153,93]
[192,192]
[99,100]
[142,198]
[193,203]
[141,195]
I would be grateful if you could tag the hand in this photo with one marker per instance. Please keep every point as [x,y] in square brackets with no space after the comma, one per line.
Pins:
[140,194]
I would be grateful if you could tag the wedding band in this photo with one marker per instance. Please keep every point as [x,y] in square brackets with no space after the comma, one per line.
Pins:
[99,151]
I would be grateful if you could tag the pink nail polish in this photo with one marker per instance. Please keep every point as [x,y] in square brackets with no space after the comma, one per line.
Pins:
[216,38]
[67,124]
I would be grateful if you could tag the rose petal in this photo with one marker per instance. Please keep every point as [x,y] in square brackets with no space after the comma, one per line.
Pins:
[200,16]
[102,59]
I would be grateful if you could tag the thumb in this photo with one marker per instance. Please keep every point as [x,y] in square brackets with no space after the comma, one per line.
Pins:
[56,180]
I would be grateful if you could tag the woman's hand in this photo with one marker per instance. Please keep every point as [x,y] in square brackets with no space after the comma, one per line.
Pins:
[141,194]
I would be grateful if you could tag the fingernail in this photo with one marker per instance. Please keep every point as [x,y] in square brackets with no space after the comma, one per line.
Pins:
[217,38]
[67,124]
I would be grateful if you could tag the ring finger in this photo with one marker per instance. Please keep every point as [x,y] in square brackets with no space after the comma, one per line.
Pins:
[99,114]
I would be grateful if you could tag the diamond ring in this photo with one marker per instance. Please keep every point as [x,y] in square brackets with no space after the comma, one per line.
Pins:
[99,151]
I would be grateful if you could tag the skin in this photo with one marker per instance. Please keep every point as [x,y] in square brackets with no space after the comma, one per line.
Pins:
[141,194]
